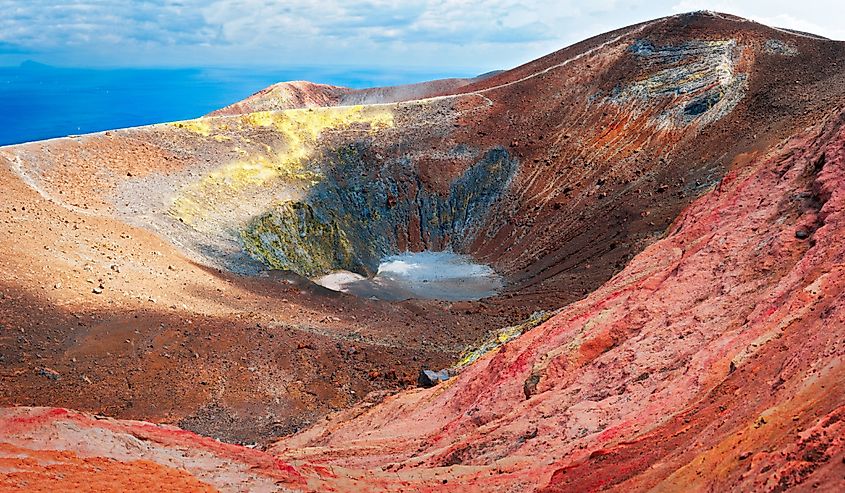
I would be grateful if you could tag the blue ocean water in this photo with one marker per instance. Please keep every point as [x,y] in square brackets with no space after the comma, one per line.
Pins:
[40,102]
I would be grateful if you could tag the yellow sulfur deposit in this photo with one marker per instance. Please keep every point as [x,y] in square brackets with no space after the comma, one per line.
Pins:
[501,337]
[201,126]
[300,129]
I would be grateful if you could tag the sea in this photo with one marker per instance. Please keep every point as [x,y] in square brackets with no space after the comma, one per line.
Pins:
[40,101]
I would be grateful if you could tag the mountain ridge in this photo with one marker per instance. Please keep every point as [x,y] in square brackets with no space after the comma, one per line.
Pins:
[669,191]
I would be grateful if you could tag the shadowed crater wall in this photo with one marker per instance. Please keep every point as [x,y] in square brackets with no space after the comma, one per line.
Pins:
[362,212]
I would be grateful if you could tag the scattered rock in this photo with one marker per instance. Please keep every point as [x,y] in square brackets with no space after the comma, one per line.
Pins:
[802,234]
[49,373]
[778,47]
[529,387]
[529,435]
[430,378]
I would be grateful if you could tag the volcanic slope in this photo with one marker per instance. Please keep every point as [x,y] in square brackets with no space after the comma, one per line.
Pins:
[304,94]
[702,153]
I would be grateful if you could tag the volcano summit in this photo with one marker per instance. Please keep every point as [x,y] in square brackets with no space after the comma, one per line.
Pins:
[657,211]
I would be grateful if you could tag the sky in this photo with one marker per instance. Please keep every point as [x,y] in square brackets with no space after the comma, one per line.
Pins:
[467,36]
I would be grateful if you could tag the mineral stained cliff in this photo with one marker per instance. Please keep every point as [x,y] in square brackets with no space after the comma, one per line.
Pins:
[665,203]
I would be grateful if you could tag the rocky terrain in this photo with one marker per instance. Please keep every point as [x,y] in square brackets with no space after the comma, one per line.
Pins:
[664,205]
[304,94]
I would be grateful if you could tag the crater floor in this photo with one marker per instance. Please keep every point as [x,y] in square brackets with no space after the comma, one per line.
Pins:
[420,275]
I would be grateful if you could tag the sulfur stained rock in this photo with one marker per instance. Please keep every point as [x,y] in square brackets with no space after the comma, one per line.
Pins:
[347,222]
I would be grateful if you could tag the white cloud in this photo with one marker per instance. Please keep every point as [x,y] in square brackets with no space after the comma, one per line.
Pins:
[466,34]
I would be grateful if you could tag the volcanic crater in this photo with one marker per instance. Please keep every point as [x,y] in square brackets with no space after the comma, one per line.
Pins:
[660,207]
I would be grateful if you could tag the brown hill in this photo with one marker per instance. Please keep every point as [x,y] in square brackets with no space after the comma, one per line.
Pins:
[303,94]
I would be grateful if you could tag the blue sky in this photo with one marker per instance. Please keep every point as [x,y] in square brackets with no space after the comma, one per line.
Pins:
[461,35]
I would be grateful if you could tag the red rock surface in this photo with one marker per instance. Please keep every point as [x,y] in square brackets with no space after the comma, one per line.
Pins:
[47,449]
[697,261]
[713,361]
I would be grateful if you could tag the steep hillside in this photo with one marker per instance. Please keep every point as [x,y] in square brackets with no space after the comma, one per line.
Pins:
[713,361]
[664,199]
